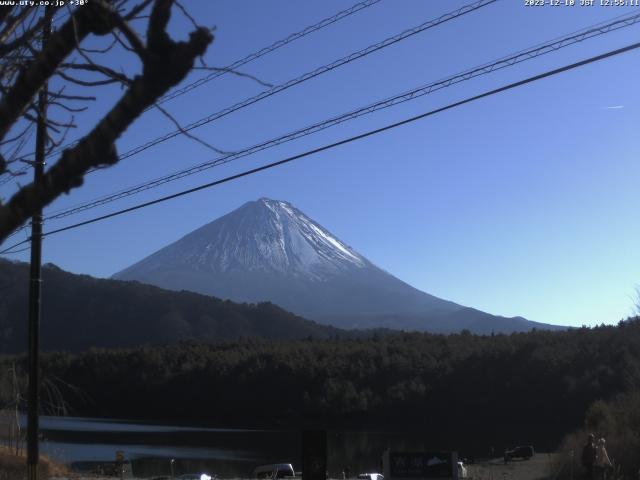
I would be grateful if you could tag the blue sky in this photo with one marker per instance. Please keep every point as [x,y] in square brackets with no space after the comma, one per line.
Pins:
[523,203]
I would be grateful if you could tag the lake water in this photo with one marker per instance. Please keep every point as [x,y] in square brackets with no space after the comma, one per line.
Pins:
[83,442]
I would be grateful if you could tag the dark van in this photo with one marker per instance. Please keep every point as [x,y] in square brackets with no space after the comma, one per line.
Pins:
[524,451]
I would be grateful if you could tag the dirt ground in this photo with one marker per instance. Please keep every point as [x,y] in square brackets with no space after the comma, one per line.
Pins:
[538,467]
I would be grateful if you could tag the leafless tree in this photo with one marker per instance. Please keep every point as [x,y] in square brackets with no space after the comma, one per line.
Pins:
[11,400]
[76,70]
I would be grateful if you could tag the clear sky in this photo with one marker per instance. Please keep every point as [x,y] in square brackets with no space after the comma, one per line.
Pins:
[524,203]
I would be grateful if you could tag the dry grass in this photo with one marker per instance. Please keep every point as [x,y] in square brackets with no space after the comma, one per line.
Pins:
[13,467]
[537,468]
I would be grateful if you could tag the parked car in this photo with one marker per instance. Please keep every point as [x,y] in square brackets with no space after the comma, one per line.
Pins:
[274,471]
[370,476]
[524,451]
[197,476]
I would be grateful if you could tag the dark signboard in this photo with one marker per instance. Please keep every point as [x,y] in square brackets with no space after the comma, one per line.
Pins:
[422,465]
[314,454]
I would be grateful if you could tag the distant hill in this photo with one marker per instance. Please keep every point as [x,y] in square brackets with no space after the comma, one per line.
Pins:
[268,250]
[475,321]
[79,311]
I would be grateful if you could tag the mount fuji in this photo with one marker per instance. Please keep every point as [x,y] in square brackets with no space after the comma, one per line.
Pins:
[268,250]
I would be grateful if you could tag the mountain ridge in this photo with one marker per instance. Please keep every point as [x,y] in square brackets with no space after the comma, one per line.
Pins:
[268,250]
[80,311]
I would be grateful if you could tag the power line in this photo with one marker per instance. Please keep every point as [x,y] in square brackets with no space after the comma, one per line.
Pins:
[24,249]
[16,232]
[312,74]
[10,175]
[307,76]
[264,51]
[249,58]
[345,141]
[523,55]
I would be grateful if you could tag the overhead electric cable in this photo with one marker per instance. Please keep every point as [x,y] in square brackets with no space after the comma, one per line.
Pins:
[312,74]
[354,138]
[7,176]
[18,230]
[503,62]
[24,249]
[264,51]
[252,56]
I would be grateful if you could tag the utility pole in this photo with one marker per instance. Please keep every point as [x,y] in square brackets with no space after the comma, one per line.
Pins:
[35,280]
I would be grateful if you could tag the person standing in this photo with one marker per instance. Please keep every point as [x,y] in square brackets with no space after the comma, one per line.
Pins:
[602,462]
[589,456]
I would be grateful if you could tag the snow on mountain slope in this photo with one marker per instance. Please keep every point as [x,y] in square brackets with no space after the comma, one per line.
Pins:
[268,250]
[265,236]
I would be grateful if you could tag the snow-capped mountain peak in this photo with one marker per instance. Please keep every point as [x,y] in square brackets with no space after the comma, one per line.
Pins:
[298,232]
[269,236]
[268,250]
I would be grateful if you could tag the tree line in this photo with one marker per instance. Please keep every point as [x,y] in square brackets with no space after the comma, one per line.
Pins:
[536,385]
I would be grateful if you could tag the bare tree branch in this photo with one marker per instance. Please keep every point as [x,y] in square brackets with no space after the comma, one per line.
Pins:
[137,9]
[72,97]
[5,11]
[100,50]
[60,45]
[136,44]
[17,136]
[186,14]
[55,103]
[164,64]
[87,83]
[23,39]
[12,22]
[186,133]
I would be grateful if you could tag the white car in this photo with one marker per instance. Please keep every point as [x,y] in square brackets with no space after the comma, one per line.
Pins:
[370,476]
